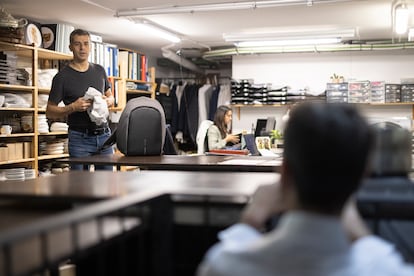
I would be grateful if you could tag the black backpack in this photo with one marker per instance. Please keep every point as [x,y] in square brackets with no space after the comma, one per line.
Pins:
[141,128]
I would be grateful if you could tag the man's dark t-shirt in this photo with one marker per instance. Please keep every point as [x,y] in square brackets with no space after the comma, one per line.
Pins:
[68,85]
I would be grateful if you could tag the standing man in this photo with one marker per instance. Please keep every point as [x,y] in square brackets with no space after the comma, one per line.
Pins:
[69,86]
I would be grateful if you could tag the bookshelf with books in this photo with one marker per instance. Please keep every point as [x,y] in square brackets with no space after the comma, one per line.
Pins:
[118,91]
[105,54]
[127,71]
[132,65]
[138,78]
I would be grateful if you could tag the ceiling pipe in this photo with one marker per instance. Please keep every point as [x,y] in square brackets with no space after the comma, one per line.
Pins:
[379,46]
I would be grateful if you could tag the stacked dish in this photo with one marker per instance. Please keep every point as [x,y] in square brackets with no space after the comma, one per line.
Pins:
[14,174]
[59,127]
[29,173]
[43,125]
[55,148]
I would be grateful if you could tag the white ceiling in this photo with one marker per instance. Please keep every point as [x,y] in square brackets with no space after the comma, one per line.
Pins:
[372,18]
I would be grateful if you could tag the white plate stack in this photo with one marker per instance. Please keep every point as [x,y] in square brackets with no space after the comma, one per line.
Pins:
[43,125]
[29,173]
[14,174]
[59,127]
[55,148]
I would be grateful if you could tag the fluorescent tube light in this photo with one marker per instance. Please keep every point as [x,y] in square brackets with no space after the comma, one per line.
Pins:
[161,33]
[157,30]
[286,38]
[240,5]
[411,34]
[289,42]
[290,35]
[401,19]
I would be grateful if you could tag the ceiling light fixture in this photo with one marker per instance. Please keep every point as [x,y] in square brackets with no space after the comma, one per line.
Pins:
[287,42]
[157,30]
[240,5]
[411,34]
[401,18]
[286,38]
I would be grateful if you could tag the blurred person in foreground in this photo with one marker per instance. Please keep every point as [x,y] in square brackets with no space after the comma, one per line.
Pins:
[319,232]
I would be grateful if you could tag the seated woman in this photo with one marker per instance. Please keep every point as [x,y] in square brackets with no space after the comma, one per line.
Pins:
[219,134]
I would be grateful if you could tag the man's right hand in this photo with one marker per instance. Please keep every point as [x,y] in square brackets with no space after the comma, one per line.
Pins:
[353,223]
[81,104]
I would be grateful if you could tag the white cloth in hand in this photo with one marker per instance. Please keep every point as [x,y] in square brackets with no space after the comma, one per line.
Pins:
[98,111]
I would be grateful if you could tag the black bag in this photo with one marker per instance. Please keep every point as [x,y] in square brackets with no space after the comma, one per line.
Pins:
[141,128]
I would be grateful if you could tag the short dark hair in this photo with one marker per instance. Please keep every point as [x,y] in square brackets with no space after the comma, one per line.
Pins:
[78,32]
[326,149]
[219,119]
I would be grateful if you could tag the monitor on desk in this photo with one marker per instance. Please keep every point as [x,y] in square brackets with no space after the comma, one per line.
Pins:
[264,126]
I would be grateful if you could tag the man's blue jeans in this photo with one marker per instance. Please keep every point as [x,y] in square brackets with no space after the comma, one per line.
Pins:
[81,144]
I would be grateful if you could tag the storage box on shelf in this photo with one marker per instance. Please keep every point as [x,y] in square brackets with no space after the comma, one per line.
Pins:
[19,82]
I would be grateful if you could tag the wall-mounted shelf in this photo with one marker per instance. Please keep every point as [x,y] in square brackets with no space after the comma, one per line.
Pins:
[239,106]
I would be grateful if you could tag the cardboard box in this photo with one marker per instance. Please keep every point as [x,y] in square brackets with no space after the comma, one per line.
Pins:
[4,153]
[27,150]
[19,150]
[12,151]
[15,150]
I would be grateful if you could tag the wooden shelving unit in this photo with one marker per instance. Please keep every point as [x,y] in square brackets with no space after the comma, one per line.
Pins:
[27,56]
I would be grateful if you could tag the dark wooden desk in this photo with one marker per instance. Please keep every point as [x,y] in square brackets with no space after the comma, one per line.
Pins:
[161,192]
[235,163]
[23,201]
[79,186]
[55,231]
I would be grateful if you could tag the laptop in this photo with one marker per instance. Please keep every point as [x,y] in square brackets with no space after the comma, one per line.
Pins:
[249,142]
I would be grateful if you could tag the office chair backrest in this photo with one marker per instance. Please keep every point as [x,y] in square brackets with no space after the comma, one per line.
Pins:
[141,128]
[202,143]
[169,145]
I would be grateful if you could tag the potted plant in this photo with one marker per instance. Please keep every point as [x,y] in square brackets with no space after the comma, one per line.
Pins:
[276,137]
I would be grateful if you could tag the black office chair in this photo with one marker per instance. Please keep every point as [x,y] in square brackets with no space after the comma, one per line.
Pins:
[169,145]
